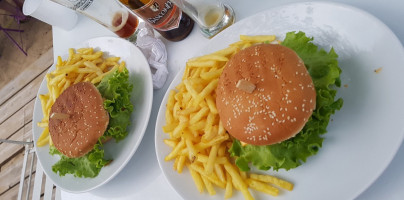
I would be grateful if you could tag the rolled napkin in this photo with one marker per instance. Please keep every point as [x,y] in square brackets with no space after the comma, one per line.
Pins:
[155,52]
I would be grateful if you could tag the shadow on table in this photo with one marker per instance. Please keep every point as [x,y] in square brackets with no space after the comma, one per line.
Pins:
[143,167]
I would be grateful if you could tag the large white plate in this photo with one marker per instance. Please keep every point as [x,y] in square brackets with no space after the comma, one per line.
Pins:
[121,152]
[363,136]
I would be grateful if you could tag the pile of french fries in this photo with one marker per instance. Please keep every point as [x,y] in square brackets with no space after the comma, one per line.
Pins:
[82,65]
[198,139]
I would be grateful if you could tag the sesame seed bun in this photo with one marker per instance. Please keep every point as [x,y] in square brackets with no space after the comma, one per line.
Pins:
[85,120]
[281,102]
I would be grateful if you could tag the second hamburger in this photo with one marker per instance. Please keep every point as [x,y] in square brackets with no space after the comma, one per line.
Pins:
[281,102]
[276,101]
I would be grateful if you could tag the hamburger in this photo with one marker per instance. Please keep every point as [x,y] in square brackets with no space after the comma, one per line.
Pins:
[276,100]
[77,120]
[85,116]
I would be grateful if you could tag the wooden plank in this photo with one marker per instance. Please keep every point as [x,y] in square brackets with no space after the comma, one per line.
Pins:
[29,74]
[11,171]
[36,193]
[12,193]
[36,40]
[9,150]
[24,96]
[17,120]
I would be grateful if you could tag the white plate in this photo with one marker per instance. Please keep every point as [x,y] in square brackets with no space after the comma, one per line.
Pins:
[121,152]
[363,136]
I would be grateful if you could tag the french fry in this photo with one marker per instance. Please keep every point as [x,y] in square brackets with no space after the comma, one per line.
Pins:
[93,66]
[211,104]
[221,130]
[229,188]
[239,43]
[274,180]
[243,175]
[215,57]
[208,185]
[121,66]
[178,130]
[258,38]
[169,119]
[208,63]
[176,163]
[71,54]
[211,160]
[238,181]
[211,177]
[199,115]
[92,56]
[112,59]
[43,99]
[262,187]
[197,180]
[216,140]
[228,51]
[42,124]
[175,151]
[181,162]
[188,111]
[170,127]
[190,88]
[44,141]
[170,101]
[191,149]
[204,159]
[59,61]
[219,172]
[208,127]
[85,51]
[171,143]
[208,89]
[43,138]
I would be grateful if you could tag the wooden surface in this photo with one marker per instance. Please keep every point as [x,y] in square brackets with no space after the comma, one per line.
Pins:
[20,77]
[36,40]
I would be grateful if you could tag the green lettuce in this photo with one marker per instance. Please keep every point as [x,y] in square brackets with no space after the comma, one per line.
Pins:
[115,89]
[86,166]
[289,154]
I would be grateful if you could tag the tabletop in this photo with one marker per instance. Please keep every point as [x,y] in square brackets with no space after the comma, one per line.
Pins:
[141,177]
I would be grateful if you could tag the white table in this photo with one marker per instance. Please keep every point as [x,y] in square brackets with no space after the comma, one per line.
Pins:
[142,178]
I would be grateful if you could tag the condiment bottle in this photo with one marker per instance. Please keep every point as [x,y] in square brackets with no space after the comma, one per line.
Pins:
[164,16]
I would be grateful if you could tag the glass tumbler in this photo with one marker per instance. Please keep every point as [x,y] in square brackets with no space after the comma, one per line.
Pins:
[212,16]
[108,13]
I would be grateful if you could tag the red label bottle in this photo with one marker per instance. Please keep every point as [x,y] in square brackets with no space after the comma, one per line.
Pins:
[164,16]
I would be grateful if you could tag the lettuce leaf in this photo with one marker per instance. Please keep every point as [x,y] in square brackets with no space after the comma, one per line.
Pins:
[86,166]
[289,154]
[115,89]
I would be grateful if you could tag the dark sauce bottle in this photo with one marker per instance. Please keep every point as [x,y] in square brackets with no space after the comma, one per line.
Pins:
[164,16]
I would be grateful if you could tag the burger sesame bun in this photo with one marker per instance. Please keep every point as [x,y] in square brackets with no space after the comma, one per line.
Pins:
[77,120]
[265,95]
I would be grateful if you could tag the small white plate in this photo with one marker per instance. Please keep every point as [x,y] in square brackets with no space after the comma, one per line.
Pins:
[121,152]
[363,136]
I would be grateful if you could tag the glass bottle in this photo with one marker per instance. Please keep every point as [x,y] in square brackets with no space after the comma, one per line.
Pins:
[164,16]
[110,14]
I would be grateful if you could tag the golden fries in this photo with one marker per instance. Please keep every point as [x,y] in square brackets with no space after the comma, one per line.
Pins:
[81,65]
[197,137]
